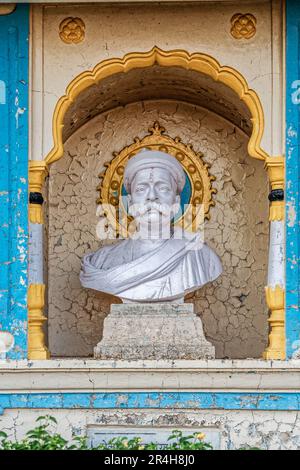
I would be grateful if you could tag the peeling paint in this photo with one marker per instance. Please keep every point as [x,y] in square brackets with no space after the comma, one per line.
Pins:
[6,342]
[13,178]
[292,178]
[19,112]
[152,400]
[2,92]
[292,132]
[266,430]
[291,213]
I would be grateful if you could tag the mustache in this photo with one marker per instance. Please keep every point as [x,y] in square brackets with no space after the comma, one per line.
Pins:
[142,209]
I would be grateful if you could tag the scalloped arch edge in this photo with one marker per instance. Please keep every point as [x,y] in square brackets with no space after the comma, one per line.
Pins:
[198,62]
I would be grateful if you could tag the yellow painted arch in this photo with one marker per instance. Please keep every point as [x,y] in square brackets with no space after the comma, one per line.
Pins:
[198,62]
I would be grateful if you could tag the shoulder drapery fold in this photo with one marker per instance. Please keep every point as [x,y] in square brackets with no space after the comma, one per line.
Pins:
[159,263]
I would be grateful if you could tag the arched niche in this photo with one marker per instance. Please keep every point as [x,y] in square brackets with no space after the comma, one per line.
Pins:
[195,80]
[233,308]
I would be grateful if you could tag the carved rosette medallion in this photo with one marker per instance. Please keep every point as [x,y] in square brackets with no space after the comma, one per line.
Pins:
[72,30]
[243,26]
[198,188]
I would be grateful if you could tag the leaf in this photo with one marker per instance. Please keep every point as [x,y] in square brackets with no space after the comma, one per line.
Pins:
[51,418]
[40,418]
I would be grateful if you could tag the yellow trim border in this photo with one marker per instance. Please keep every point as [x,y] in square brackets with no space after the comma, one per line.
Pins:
[198,62]
[275,301]
[276,211]
[36,319]
[275,168]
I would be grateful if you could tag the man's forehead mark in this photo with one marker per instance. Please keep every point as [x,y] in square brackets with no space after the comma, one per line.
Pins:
[152,172]
[148,176]
[151,175]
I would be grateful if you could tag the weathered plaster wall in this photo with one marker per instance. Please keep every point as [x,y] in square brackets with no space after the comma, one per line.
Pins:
[241,403]
[233,307]
[244,428]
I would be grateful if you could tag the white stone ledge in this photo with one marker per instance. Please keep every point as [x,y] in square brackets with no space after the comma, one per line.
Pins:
[79,375]
[211,364]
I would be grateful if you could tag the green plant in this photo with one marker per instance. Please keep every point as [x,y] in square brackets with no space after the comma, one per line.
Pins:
[39,438]
[44,437]
[194,441]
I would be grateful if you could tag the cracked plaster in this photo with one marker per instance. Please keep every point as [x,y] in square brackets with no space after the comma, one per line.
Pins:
[268,430]
[232,308]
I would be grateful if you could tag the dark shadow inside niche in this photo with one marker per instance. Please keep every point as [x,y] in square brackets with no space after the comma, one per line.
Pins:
[156,83]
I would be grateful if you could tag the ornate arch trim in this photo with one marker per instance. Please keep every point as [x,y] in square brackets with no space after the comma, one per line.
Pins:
[198,62]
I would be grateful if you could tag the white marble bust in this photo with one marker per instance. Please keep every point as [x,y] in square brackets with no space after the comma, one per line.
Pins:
[154,265]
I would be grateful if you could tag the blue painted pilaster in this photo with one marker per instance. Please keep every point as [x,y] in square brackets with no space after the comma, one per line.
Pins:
[14,35]
[292,175]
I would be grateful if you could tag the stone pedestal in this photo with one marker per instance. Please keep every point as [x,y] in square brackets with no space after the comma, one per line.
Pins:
[153,331]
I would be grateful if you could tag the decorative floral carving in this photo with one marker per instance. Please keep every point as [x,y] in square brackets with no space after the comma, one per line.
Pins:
[72,30]
[243,26]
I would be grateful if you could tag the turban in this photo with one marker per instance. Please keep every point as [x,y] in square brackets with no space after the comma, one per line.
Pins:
[154,159]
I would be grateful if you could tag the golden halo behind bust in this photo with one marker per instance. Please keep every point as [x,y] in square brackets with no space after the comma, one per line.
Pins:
[110,187]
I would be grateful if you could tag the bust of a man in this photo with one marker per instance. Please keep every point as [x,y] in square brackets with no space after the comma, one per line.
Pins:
[153,265]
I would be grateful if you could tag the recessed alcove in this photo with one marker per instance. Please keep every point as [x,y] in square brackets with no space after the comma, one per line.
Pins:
[105,118]
[157,82]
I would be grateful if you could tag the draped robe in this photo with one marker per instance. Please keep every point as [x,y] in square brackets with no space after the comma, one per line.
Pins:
[171,269]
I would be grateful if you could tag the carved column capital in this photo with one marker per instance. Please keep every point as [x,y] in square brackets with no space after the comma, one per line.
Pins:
[38,171]
[275,168]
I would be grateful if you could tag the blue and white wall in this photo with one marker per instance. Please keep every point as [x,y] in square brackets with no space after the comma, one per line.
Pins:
[14,44]
[292,176]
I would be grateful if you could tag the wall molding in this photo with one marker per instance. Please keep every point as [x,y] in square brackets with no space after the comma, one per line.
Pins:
[90,376]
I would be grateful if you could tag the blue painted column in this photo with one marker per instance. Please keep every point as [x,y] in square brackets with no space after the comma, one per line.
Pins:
[292,176]
[14,33]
